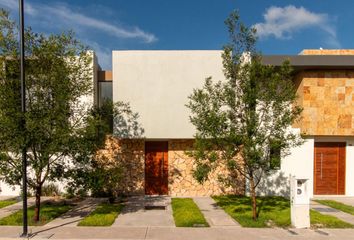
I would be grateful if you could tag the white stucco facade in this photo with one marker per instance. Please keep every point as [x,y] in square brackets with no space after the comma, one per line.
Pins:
[157,84]
[82,106]
[300,163]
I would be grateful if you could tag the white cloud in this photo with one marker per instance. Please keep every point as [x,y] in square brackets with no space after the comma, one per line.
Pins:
[14,6]
[72,18]
[283,22]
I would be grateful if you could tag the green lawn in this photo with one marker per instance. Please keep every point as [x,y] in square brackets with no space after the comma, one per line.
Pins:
[187,214]
[337,205]
[103,215]
[273,211]
[326,221]
[5,203]
[49,211]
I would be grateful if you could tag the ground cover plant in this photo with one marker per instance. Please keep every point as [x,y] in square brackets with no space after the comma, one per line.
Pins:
[104,215]
[337,205]
[49,211]
[7,202]
[187,214]
[273,211]
[319,220]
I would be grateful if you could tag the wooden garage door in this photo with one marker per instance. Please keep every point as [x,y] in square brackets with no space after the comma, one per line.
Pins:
[329,168]
[156,168]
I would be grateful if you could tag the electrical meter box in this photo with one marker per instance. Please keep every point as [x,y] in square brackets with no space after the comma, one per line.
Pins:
[300,202]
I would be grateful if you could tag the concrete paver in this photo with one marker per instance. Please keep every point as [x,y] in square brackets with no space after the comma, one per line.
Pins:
[342,199]
[333,212]
[173,233]
[214,215]
[6,197]
[6,211]
[135,213]
[76,214]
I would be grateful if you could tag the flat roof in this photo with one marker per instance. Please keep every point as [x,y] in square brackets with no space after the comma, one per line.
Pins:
[303,62]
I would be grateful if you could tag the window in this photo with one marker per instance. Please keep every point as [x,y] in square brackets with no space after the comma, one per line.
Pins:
[104,92]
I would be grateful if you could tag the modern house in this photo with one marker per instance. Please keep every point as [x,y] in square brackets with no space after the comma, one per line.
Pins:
[157,84]
[325,84]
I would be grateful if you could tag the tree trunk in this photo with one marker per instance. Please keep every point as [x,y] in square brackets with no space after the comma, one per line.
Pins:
[254,200]
[38,203]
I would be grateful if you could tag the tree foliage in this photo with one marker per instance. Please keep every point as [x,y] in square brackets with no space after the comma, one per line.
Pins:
[248,116]
[60,127]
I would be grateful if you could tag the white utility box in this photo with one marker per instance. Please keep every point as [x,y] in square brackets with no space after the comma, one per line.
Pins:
[299,202]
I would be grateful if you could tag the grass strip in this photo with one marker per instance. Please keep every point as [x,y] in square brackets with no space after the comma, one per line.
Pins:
[104,215]
[272,211]
[337,205]
[7,202]
[187,214]
[319,220]
[49,211]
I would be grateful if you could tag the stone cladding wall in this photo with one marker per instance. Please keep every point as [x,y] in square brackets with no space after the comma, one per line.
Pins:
[181,181]
[128,154]
[328,102]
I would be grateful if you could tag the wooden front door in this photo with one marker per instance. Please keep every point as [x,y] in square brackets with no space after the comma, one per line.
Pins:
[329,168]
[156,168]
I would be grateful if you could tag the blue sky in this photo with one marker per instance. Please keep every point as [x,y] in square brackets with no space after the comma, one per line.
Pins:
[284,27]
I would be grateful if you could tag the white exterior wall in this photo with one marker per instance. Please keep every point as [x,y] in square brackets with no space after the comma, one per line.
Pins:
[157,85]
[84,104]
[300,163]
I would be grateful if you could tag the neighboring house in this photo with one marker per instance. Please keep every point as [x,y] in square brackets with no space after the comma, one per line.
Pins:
[157,84]
[325,85]
[81,107]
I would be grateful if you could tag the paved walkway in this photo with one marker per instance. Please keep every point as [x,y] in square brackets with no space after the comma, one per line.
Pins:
[215,216]
[76,214]
[6,211]
[143,211]
[342,199]
[6,197]
[333,212]
[174,233]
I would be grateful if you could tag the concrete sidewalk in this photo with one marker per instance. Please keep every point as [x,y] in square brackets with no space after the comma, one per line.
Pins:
[76,214]
[145,211]
[6,211]
[173,233]
[214,215]
[7,197]
[346,217]
[342,199]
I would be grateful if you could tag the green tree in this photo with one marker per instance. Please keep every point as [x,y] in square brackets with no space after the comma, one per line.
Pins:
[59,127]
[247,116]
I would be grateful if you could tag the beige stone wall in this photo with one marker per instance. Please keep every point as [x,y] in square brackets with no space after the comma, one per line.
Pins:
[181,181]
[130,156]
[327,98]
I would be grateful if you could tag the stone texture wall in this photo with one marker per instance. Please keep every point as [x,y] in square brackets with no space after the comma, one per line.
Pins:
[130,156]
[181,181]
[327,98]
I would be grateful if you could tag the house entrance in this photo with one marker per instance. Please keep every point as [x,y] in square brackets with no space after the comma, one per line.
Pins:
[156,168]
[329,168]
